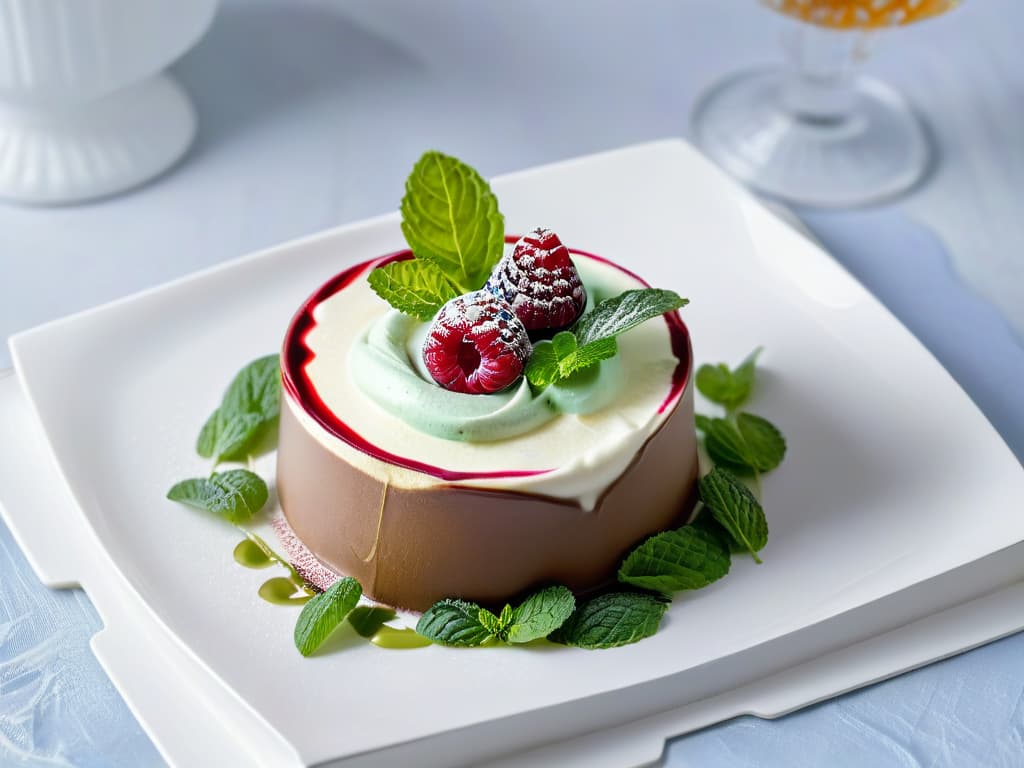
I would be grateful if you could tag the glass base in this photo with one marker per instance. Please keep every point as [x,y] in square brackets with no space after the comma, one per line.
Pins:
[875,152]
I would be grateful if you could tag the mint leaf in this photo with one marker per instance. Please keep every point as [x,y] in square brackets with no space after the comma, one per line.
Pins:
[540,614]
[726,446]
[612,620]
[247,414]
[751,444]
[367,619]
[224,436]
[256,389]
[450,218]
[560,358]
[237,494]
[765,445]
[627,310]
[736,508]
[417,288]
[490,622]
[730,388]
[702,422]
[706,522]
[685,558]
[324,612]
[453,622]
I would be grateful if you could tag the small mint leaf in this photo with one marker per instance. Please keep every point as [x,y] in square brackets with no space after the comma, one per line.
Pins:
[237,494]
[367,619]
[256,389]
[564,344]
[589,354]
[766,447]
[729,388]
[702,422]
[726,446]
[453,622]
[415,287]
[490,622]
[685,558]
[542,369]
[246,419]
[619,314]
[736,508]
[224,436]
[706,522]
[505,618]
[612,620]
[324,612]
[450,218]
[558,359]
[540,614]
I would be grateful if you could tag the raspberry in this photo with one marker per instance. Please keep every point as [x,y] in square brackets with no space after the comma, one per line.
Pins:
[476,345]
[541,283]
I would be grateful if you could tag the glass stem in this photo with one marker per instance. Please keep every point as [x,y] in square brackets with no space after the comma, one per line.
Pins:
[822,66]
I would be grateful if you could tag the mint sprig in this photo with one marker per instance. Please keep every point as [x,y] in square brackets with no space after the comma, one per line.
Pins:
[245,420]
[736,509]
[592,339]
[685,558]
[729,388]
[236,495]
[323,613]
[462,623]
[451,221]
[612,620]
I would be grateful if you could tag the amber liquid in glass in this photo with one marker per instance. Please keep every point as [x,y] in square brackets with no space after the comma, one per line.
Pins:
[861,14]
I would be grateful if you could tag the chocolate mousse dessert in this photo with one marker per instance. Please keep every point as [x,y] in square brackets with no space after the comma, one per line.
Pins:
[513,413]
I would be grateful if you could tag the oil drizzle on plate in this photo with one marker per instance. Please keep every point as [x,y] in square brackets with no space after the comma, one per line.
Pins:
[399,639]
[249,554]
[282,591]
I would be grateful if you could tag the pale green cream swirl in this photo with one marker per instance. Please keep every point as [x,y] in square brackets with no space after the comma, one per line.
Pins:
[386,365]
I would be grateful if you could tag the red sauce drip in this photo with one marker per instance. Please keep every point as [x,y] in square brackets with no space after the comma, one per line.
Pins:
[296,355]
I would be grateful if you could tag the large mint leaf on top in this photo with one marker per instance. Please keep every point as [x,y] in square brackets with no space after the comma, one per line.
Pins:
[730,388]
[236,495]
[736,508]
[247,413]
[450,217]
[685,558]
[415,287]
[322,614]
[611,620]
[625,311]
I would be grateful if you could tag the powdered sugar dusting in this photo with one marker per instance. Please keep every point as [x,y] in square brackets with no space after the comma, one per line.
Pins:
[308,566]
[540,282]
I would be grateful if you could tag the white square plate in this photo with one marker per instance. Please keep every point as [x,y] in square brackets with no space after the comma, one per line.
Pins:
[893,476]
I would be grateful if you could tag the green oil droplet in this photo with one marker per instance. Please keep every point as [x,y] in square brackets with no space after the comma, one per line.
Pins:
[399,639]
[281,591]
[249,554]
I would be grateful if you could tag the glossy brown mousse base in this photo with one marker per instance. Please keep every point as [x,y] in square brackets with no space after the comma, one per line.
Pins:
[411,548]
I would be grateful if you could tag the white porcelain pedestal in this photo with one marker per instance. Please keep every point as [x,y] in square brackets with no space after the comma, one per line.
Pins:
[97,148]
